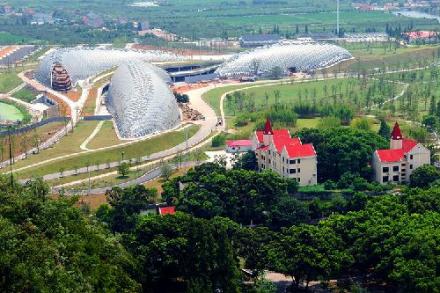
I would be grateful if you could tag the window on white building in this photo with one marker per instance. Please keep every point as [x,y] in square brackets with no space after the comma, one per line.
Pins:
[396,168]
[396,178]
[385,178]
[292,171]
[410,167]
[299,171]
[292,162]
[385,169]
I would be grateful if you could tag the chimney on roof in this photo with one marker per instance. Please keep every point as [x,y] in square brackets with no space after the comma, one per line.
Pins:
[396,138]
[268,132]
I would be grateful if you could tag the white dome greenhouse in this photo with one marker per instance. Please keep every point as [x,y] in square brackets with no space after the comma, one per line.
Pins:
[288,57]
[141,101]
[83,63]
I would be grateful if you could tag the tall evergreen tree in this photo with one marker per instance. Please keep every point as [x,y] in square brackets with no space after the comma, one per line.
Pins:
[384,129]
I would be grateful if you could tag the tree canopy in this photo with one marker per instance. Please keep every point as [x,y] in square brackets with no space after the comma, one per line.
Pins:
[341,150]
[47,245]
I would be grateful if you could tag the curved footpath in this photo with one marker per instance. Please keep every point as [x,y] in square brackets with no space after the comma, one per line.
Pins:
[207,127]
[199,139]
[147,177]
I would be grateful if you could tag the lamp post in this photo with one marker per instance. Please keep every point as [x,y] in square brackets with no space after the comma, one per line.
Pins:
[11,153]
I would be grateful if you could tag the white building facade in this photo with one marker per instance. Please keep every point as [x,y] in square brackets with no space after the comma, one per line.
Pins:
[276,150]
[396,164]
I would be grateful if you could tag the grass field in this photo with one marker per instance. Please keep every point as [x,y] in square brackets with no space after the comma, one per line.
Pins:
[29,139]
[132,151]
[332,91]
[370,57]
[9,81]
[8,38]
[90,105]
[69,144]
[25,94]
[105,137]
[212,97]
[10,112]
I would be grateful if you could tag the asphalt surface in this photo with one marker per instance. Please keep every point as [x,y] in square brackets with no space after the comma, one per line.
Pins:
[149,176]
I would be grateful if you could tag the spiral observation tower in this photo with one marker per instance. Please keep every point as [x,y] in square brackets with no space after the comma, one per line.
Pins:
[139,99]
[77,64]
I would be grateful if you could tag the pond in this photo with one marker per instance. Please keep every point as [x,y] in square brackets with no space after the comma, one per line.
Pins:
[10,113]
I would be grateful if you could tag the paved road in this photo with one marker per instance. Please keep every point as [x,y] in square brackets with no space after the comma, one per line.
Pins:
[149,176]
[208,126]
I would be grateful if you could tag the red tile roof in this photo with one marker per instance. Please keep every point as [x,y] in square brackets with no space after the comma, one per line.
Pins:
[167,210]
[390,156]
[301,151]
[282,140]
[408,144]
[422,34]
[396,155]
[276,133]
[239,143]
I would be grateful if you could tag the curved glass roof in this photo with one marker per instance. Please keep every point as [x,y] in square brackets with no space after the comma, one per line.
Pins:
[288,56]
[141,101]
[82,63]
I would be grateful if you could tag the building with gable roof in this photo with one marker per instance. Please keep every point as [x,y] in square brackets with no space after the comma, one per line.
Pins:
[276,150]
[396,164]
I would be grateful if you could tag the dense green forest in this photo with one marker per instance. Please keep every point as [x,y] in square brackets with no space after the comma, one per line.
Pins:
[356,233]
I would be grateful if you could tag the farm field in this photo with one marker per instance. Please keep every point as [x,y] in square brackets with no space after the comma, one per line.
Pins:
[205,19]
[368,58]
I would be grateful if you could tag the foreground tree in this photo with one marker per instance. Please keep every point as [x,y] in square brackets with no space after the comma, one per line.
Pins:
[341,150]
[424,176]
[307,253]
[50,246]
[246,197]
[183,252]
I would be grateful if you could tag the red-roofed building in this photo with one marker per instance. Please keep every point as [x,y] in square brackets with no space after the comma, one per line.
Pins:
[289,157]
[421,37]
[167,210]
[238,146]
[397,163]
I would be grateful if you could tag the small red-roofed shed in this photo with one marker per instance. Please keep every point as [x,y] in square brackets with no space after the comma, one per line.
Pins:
[171,210]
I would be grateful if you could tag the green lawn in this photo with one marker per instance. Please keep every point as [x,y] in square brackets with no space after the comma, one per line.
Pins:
[69,144]
[10,112]
[105,137]
[332,91]
[25,94]
[132,151]
[369,57]
[213,96]
[9,81]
